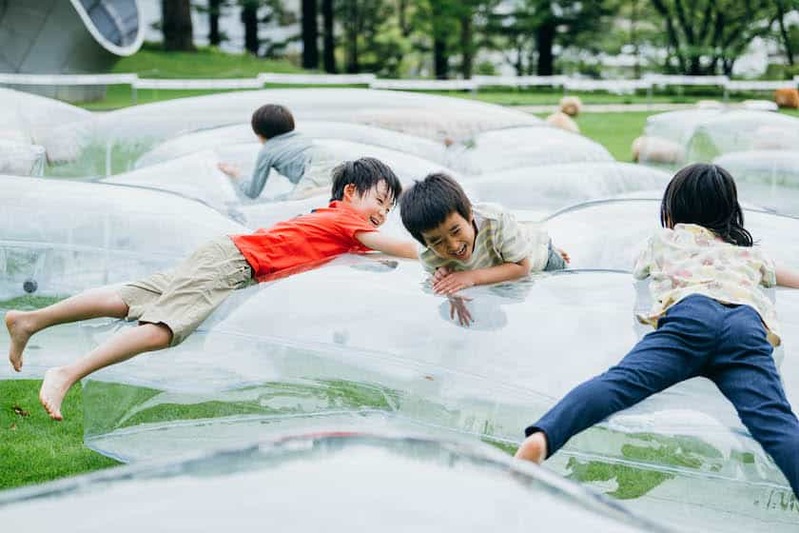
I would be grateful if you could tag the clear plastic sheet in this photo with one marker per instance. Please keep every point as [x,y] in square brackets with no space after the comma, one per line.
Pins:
[741,130]
[511,148]
[358,481]
[62,237]
[197,176]
[295,353]
[313,129]
[21,159]
[769,178]
[547,188]
[676,138]
[60,128]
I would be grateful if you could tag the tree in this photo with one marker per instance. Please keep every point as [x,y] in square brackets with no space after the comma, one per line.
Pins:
[361,20]
[214,10]
[249,17]
[531,29]
[310,34]
[705,36]
[785,36]
[328,38]
[176,25]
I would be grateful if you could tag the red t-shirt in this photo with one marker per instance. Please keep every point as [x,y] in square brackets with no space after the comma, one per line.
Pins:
[304,241]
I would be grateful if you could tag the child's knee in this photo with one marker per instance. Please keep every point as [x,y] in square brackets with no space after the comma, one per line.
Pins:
[157,335]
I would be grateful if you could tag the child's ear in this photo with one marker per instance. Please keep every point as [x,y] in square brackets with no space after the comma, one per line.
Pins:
[350,190]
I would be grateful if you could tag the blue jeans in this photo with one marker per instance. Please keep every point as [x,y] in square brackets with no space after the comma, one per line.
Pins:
[698,336]
[555,261]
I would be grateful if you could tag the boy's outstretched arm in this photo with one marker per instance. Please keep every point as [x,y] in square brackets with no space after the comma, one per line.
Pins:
[787,277]
[455,281]
[388,245]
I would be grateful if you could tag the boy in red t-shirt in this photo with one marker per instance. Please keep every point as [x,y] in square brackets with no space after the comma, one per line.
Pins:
[170,305]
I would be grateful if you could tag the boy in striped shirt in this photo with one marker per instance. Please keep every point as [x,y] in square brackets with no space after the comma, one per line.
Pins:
[467,245]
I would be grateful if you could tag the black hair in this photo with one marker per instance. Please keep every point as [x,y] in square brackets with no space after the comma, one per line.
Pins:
[705,195]
[364,173]
[271,120]
[428,203]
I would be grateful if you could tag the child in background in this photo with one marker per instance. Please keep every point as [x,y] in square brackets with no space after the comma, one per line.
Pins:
[467,245]
[284,149]
[712,320]
[170,305]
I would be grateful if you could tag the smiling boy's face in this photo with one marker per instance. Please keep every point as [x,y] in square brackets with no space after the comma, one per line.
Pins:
[452,239]
[374,204]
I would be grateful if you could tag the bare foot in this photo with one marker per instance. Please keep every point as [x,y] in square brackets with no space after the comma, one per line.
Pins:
[534,448]
[19,332]
[54,387]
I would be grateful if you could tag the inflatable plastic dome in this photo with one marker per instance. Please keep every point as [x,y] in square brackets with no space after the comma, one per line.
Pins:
[354,480]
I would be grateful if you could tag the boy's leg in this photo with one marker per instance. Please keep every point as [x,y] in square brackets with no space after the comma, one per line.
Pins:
[745,373]
[94,303]
[120,347]
[676,351]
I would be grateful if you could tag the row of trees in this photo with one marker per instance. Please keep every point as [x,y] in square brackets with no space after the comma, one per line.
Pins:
[398,37]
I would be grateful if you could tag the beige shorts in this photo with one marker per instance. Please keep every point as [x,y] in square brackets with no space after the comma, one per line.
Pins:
[181,298]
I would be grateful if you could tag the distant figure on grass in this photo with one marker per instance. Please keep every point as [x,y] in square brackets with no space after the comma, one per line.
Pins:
[285,150]
[711,320]
[172,304]
[467,245]
[563,118]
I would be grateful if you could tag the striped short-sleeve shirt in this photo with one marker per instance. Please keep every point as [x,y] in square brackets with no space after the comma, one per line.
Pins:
[500,238]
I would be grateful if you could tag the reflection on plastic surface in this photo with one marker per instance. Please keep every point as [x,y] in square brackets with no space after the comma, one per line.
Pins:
[61,129]
[400,111]
[196,175]
[769,178]
[551,187]
[610,233]
[21,159]
[700,135]
[292,354]
[510,148]
[87,234]
[313,129]
[355,480]
[740,130]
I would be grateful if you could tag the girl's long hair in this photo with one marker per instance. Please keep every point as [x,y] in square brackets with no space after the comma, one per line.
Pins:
[705,195]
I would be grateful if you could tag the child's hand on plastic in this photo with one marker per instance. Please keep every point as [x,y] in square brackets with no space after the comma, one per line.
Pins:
[231,170]
[564,254]
[440,273]
[453,282]
[457,306]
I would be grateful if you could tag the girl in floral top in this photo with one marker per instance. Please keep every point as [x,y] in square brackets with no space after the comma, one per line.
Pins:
[712,320]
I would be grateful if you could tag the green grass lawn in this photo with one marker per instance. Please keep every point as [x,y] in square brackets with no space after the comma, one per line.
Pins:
[33,447]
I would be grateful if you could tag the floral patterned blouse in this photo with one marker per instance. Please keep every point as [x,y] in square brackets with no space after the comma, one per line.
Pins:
[691,259]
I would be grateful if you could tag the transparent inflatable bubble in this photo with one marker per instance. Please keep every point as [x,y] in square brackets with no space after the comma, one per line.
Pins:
[128,133]
[313,129]
[742,130]
[359,341]
[197,176]
[355,480]
[61,129]
[545,189]
[610,233]
[769,178]
[678,125]
[510,148]
[86,234]
[21,159]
